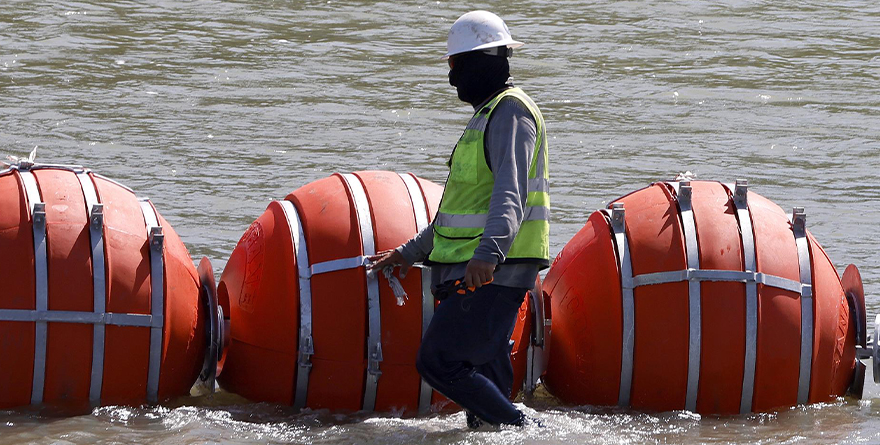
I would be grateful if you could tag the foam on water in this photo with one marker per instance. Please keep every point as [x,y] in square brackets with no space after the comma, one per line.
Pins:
[840,422]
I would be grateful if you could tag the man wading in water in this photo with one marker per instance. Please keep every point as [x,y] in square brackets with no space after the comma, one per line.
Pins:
[492,227]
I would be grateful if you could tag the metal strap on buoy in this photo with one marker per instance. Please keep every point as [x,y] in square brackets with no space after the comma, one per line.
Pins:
[374,337]
[744,219]
[41,273]
[420,210]
[95,212]
[617,215]
[156,240]
[689,229]
[306,344]
[799,227]
[676,276]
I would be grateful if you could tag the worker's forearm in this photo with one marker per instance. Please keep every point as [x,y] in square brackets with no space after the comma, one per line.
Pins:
[418,248]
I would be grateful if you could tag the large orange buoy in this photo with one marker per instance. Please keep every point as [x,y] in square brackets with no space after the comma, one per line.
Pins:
[102,302]
[700,296]
[310,327]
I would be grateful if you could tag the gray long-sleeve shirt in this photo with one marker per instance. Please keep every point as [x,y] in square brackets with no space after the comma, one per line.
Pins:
[510,143]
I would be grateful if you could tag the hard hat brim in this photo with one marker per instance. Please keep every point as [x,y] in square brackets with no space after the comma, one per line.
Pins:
[510,43]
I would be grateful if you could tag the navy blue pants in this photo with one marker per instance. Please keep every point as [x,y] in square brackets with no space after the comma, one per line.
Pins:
[465,354]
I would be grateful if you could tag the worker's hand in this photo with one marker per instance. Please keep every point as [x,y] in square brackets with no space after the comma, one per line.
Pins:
[478,272]
[389,257]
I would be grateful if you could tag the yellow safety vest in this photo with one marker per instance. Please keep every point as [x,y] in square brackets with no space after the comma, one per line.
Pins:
[464,208]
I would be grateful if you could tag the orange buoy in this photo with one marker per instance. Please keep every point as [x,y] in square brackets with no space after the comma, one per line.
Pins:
[309,326]
[102,302]
[699,296]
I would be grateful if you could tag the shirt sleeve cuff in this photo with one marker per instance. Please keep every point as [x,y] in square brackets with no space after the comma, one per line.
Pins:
[411,254]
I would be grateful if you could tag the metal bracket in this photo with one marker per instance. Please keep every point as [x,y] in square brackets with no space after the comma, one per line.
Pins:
[96,216]
[375,359]
[306,351]
[799,219]
[157,238]
[741,192]
[685,191]
[39,214]
[618,214]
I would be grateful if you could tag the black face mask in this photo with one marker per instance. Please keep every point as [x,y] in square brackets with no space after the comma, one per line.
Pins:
[477,75]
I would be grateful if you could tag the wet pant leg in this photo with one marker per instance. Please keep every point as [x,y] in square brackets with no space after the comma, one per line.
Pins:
[465,351]
[500,370]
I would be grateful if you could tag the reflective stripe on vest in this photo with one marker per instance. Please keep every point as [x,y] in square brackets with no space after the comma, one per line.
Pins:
[464,221]
[464,208]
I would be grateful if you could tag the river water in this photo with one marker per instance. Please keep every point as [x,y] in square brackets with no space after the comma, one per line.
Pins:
[215,108]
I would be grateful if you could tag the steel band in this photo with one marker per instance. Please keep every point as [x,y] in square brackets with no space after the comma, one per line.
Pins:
[95,213]
[41,274]
[420,211]
[374,341]
[306,343]
[624,259]
[689,229]
[81,317]
[799,227]
[744,219]
[156,240]
[747,277]
[334,265]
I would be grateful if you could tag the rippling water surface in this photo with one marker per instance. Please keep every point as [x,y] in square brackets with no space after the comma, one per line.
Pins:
[214,108]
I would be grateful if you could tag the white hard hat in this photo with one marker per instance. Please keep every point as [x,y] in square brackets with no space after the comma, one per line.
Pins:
[478,30]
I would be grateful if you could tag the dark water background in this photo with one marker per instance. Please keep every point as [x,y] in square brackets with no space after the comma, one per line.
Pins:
[215,108]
